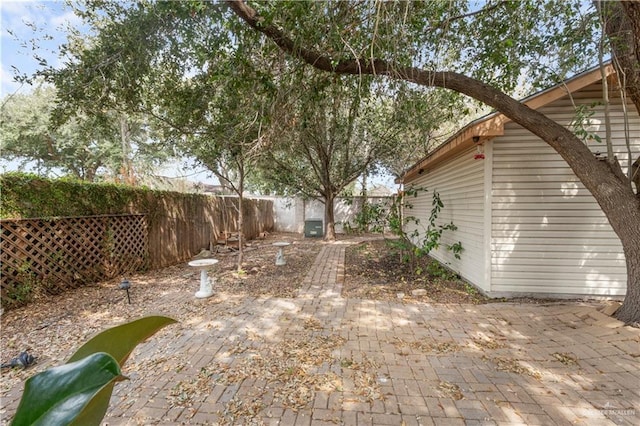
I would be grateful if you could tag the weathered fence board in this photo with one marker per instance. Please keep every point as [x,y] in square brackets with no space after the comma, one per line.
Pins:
[178,229]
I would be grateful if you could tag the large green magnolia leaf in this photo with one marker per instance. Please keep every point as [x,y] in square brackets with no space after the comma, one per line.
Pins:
[120,341]
[96,408]
[60,395]
[78,392]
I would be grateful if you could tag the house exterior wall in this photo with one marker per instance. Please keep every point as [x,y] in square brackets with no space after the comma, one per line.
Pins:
[290,213]
[527,224]
[461,186]
[548,234]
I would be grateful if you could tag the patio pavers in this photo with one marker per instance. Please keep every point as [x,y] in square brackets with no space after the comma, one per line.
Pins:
[365,362]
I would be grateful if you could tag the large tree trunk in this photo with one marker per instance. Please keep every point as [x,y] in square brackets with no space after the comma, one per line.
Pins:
[629,312]
[329,218]
[606,182]
[622,25]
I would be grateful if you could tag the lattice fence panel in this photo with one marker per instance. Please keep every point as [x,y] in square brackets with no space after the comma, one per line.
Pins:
[127,246]
[48,256]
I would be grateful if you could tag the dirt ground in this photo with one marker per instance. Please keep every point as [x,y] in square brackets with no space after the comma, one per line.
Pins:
[52,328]
[375,270]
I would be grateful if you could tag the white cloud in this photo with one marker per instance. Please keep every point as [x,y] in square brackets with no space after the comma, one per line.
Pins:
[26,28]
[67,18]
[14,7]
[20,17]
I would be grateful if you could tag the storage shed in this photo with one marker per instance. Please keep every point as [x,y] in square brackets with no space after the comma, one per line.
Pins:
[526,223]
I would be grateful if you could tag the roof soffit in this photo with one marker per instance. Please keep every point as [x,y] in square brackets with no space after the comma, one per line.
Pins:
[492,125]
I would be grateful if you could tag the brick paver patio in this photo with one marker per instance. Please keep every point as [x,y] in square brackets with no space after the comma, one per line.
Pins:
[363,362]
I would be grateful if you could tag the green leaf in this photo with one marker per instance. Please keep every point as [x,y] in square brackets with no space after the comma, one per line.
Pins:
[61,394]
[120,341]
[97,406]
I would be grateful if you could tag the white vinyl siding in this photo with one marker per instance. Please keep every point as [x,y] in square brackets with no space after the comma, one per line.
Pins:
[460,183]
[549,236]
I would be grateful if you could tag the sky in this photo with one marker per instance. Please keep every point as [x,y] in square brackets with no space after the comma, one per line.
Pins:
[25,29]
[23,23]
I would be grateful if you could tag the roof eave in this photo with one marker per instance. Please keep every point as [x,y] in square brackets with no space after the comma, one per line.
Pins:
[492,125]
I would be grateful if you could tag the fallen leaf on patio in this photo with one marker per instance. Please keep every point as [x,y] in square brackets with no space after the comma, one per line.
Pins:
[514,366]
[566,358]
[450,390]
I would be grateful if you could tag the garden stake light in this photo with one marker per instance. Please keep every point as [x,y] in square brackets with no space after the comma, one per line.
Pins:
[126,285]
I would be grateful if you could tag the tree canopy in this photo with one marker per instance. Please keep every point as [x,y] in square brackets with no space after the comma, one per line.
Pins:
[176,60]
[228,98]
[111,146]
[609,186]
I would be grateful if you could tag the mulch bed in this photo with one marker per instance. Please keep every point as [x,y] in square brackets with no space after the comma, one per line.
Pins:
[52,328]
[375,270]
[260,277]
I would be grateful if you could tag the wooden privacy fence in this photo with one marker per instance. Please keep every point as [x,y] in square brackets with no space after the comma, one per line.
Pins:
[181,228]
[48,256]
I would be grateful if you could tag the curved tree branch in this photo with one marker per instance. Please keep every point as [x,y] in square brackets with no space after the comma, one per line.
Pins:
[577,155]
[622,25]
[610,189]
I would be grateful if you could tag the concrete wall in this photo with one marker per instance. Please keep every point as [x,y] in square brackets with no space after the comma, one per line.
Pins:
[290,213]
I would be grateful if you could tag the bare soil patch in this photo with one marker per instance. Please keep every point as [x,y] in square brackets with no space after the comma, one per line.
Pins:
[373,270]
[260,276]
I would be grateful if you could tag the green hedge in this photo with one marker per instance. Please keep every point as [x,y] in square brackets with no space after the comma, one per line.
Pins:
[25,195]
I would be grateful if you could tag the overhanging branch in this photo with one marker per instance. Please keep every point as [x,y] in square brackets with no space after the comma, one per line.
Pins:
[572,150]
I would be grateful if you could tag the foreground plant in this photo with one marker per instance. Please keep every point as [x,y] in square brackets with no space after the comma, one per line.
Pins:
[422,240]
[79,391]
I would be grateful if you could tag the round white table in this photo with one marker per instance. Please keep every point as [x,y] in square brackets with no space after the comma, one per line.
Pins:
[206,283]
[280,256]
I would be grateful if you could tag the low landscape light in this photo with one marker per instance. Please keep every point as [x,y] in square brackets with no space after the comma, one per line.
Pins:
[126,285]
